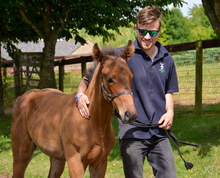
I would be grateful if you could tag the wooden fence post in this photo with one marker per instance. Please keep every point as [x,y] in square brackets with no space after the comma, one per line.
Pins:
[61,74]
[83,66]
[198,80]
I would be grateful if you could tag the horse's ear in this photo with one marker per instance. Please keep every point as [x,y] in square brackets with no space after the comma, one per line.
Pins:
[128,51]
[97,54]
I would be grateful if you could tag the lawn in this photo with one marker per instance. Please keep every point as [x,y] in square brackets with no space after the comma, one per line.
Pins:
[203,130]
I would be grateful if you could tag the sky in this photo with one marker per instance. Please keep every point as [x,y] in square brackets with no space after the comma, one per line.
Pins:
[185,8]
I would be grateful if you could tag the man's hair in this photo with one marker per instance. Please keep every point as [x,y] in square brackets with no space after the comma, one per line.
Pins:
[148,15]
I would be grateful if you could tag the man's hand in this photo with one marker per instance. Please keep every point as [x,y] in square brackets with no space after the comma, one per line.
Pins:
[167,120]
[83,104]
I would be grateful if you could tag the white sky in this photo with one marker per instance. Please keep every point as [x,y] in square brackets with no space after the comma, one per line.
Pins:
[185,8]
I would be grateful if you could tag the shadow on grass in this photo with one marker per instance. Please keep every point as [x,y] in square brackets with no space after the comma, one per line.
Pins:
[5,133]
[203,130]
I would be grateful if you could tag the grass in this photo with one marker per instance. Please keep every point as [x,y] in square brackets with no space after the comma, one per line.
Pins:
[203,130]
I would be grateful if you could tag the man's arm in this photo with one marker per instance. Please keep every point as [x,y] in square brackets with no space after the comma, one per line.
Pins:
[167,118]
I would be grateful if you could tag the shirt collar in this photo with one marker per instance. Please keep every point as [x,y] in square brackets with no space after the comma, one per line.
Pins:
[162,52]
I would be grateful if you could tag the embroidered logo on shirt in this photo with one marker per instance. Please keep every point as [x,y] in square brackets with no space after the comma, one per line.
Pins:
[161,68]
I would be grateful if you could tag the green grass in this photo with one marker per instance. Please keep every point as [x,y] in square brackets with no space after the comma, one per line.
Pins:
[203,130]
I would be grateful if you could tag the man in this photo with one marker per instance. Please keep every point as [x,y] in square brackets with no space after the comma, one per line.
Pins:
[154,82]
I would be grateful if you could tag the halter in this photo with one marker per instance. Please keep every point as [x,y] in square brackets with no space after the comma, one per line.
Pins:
[110,96]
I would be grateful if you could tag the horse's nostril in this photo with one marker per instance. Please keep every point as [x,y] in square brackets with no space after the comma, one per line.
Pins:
[128,115]
[129,118]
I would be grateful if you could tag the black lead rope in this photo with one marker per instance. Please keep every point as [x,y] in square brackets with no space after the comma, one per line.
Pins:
[188,165]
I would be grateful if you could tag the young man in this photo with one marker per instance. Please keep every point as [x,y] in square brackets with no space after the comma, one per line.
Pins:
[154,81]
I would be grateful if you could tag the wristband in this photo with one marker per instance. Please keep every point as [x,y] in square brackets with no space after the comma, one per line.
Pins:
[78,97]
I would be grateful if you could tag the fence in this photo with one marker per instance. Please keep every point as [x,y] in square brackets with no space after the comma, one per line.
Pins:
[197,64]
[198,69]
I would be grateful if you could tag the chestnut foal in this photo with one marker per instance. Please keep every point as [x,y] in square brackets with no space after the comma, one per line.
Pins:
[50,120]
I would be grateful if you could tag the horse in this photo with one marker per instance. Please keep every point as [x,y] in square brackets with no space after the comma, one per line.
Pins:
[50,120]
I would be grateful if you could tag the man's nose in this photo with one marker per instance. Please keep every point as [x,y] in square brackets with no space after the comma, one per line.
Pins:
[147,36]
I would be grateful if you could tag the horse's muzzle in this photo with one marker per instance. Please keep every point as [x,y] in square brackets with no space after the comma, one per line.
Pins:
[129,118]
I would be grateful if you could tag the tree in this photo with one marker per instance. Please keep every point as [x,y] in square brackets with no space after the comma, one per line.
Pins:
[164,38]
[177,27]
[10,33]
[212,10]
[201,28]
[53,19]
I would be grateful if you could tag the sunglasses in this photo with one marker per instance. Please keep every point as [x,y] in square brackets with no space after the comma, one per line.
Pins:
[144,32]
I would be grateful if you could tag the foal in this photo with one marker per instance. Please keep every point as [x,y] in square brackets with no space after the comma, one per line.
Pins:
[50,120]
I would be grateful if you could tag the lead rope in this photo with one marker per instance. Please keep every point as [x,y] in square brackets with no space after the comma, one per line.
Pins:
[188,165]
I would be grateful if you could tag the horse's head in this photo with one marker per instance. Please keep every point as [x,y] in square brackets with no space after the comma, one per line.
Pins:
[116,78]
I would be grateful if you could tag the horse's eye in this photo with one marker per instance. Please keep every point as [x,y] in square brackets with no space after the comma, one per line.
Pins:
[110,80]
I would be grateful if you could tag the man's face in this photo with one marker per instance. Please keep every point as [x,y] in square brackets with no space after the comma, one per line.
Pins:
[147,40]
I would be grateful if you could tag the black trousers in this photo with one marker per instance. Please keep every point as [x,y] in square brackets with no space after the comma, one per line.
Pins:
[159,154]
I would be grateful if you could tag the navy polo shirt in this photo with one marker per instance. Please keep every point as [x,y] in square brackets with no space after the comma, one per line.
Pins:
[151,81]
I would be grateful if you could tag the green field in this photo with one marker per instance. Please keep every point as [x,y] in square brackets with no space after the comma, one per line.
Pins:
[203,130]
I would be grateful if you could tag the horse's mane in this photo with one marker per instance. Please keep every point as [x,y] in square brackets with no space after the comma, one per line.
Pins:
[109,52]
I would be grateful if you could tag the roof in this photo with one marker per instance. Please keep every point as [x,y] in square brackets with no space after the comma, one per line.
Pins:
[63,48]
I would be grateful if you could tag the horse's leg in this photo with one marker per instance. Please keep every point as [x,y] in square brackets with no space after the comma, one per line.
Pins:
[56,167]
[76,168]
[98,171]
[73,158]
[22,154]
[21,144]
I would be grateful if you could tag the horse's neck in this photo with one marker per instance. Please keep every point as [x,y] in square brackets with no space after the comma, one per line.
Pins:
[100,109]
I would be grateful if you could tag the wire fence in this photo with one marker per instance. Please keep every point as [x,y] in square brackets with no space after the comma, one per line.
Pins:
[185,65]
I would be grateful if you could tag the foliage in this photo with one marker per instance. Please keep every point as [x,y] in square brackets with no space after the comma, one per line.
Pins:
[164,38]
[12,30]
[88,15]
[200,26]
[53,19]
[120,38]
[182,29]
[175,29]
[176,26]
[12,27]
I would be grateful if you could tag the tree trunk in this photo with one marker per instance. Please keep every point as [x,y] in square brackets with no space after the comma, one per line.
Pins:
[50,35]
[47,77]
[217,8]
[1,87]
[212,11]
